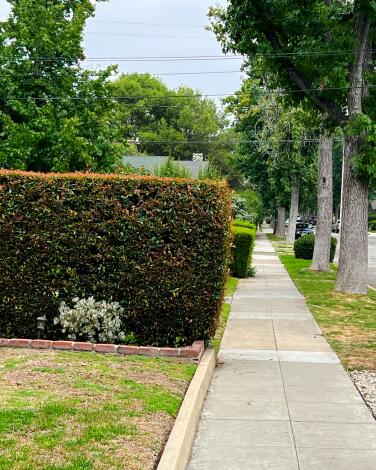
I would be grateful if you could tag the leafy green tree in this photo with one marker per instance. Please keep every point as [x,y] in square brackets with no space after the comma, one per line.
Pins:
[54,116]
[322,53]
[254,204]
[277,155]
[177,122]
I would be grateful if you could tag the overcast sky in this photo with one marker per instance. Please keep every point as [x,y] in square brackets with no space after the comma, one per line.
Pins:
[109,34]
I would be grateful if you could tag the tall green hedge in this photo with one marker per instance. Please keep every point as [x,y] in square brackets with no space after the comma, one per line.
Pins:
[158,246]
[242,248]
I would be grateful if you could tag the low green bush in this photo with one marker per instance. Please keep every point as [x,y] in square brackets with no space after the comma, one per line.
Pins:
[304,246]
[159,247]
[372,225]
[242,248]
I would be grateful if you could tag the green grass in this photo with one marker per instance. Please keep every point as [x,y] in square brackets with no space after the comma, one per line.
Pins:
[225,313]
[280,244]
[274,238]
[77,411]
[232,284]
[347,321]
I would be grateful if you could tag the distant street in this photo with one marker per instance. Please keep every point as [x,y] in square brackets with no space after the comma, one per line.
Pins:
[371,258]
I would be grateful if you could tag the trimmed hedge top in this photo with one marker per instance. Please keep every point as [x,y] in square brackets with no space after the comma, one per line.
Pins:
[159,246]
[244,223]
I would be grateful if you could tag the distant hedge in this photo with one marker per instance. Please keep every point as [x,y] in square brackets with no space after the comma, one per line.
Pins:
[244,223]
[242,248]
[158,246]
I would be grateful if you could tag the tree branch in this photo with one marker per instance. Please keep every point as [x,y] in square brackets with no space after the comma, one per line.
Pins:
[298,78]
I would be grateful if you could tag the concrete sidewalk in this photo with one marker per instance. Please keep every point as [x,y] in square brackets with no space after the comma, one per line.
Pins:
[280,400]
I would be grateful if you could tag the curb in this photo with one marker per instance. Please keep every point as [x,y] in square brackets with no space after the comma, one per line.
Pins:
[179,445]
[188,352]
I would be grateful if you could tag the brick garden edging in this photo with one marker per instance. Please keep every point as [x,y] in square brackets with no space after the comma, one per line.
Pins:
[191,352]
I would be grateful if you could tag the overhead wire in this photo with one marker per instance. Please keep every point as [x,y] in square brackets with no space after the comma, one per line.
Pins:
[135,58]
[194,96]
[148,24]
[224,142]
[142,35]
[203,57]
[39,75]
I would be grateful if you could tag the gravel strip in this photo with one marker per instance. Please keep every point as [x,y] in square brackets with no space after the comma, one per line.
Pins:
[366,383]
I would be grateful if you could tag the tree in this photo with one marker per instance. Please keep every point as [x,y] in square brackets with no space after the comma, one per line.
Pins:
[294,157]
[277,155]
[321,252]
[333,76]
[164,121]
[54,116]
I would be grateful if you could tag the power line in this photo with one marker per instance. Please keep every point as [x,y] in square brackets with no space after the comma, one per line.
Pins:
[124,97]
[180,58]
[134,59]
[168,25]
[32,75]
[147,35]
[225,142]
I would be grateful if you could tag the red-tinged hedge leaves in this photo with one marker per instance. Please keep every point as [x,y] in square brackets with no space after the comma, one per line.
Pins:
[158,246]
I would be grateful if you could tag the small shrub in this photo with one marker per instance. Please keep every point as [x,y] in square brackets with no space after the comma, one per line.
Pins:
[304,246]
[243,242]
[172,169]
[210,172]
[92,320]
[129,169]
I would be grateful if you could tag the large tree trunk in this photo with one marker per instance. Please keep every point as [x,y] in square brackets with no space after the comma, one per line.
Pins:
[321,253]
[294,209]
[280,232]
[353,259]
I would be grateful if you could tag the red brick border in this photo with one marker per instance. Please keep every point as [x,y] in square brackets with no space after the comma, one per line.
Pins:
[190,352]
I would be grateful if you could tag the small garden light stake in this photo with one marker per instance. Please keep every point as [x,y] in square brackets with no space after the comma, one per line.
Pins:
[41,322]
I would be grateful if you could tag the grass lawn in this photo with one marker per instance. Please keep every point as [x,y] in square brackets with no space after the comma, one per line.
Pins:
[347,321]
[280,244]
[232,284]
[86,411]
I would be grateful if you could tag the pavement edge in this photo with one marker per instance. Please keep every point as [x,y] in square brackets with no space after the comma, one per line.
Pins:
[179,445]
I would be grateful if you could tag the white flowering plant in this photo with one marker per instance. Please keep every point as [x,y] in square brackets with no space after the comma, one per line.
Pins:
[88,319]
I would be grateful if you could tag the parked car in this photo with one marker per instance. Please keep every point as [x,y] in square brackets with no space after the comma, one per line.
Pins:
[302,229]
[336,226]
[312,221]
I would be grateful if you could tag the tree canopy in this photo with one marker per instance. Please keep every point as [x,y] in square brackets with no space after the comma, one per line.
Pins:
[320,54]
[54,116]
[165,121]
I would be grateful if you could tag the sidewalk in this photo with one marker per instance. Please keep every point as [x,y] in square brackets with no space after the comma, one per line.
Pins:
[280,400]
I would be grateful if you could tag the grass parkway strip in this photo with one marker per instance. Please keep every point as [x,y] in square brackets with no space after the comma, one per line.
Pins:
[347,321]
